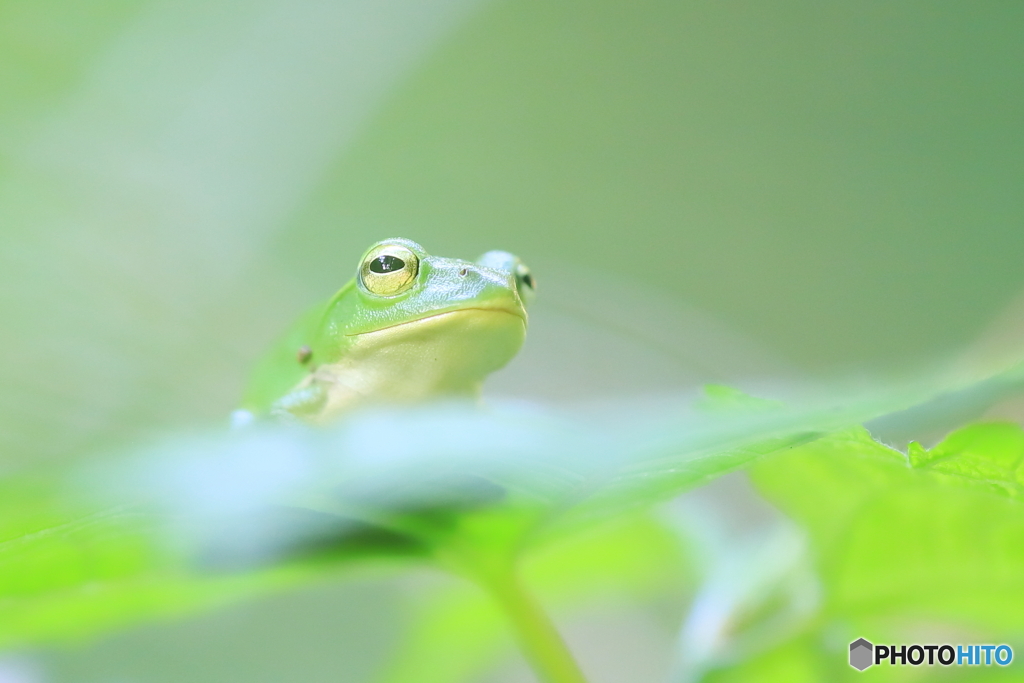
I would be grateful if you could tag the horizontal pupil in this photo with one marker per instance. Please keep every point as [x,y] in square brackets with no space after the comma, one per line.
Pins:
[386,264]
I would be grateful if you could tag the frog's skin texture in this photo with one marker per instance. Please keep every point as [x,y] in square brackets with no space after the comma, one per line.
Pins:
[408,327]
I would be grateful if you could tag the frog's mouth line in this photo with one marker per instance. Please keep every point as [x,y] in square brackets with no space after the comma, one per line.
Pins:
[508,311]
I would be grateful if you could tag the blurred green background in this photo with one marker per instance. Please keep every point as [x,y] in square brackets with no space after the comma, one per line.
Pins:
[705,191]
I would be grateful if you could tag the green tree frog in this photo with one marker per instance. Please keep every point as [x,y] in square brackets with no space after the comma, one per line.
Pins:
[409,326]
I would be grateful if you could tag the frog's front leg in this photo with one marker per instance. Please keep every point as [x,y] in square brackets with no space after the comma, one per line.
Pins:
[311,397]
[300,402]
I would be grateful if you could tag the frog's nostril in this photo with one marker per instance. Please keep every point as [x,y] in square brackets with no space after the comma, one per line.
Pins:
[462,273]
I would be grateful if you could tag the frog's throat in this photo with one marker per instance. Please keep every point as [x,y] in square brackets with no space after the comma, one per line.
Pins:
[517,312]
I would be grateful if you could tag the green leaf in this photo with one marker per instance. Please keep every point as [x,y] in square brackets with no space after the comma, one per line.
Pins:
[206,518]
[989,452]
[938,536]
[925,547]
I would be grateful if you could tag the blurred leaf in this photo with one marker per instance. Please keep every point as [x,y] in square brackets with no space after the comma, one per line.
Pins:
[757,594]
[68,574]
[466,490]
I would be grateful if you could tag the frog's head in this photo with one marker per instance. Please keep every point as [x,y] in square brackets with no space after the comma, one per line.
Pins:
[455,320]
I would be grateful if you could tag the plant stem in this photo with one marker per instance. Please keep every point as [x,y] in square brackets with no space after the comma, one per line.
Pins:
[540,641]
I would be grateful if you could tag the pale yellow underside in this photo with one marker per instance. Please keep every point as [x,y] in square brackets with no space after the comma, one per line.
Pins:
[448,354]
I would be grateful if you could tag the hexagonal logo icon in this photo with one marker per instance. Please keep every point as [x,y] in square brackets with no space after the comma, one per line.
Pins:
[861,654]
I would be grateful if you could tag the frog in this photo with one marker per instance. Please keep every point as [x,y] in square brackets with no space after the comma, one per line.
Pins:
[406,328]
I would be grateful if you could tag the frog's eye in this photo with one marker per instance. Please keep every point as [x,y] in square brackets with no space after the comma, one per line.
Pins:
[524,280]
[389,269]
[525,277]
